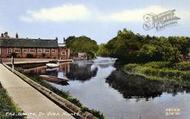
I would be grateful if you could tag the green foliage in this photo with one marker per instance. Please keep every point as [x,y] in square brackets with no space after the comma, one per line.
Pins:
[82,44]
[102,51]
[91,54]
[7,105]
[161,70]
[94,112]
[134,48]
[184,66]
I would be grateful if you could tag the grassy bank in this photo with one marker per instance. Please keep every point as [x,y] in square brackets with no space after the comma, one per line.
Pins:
[66,96]
[176,72]
[8,109]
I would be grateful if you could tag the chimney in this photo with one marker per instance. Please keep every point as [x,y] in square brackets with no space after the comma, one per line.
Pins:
[16,35]
[64,39]
[2,35]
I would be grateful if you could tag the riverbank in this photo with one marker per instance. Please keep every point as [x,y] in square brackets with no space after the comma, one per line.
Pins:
[68,97]
[7,108]
[76,105]
[166,71]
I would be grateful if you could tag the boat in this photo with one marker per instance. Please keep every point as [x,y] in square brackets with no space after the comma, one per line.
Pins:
[52,69]
[52,64]
[55,79]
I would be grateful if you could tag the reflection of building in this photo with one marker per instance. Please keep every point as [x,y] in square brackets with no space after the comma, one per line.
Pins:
[33,48]
[37,70]
[65,67]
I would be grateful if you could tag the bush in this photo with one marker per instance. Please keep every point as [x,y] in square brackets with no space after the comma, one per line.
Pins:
[91,55]
[161,70]
[130,67]
[7,105]
[183,65]
[94,112]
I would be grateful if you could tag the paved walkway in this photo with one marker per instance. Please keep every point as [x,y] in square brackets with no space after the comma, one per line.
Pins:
[32,102]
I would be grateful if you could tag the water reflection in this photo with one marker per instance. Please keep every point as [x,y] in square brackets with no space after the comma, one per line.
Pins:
[117,95]
[139,87]
[74,71]
[129,86]
[136,87]
[82,73]
[65,68]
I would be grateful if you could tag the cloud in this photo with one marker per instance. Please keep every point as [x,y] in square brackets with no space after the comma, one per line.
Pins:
[67,12]
[132,15]
[80,12]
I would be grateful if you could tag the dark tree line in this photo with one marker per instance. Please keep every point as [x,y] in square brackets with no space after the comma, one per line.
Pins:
[135,48]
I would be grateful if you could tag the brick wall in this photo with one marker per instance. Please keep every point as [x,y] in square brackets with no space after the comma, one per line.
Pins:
[64,53]
[54,53]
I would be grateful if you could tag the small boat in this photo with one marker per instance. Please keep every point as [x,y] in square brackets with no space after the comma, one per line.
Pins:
[52,69]
[55,79]
[53,64]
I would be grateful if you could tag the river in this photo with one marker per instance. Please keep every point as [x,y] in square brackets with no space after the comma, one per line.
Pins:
[102,87]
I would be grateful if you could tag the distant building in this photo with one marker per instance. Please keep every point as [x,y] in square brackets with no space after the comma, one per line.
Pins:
[33,48]
[82,55]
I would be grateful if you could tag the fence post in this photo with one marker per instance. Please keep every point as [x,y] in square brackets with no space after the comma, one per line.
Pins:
[12,63]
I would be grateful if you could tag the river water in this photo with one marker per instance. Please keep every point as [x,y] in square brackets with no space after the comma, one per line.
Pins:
[102,87]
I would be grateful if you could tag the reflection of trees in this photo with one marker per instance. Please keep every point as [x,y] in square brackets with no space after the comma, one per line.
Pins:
[76,71]
[82,73]
[139,87]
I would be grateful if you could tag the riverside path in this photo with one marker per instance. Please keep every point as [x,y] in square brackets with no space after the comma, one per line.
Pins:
[34,104]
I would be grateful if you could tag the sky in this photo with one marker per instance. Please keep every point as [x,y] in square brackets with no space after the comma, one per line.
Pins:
[97,19]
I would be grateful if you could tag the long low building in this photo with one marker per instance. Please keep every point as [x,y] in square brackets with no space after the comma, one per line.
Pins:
[33,48]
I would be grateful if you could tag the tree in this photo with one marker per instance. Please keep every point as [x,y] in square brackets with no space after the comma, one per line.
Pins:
[82,44]
[129,47]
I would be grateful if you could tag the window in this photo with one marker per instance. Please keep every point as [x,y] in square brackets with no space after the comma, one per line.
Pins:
[39,50]
[53,50]
[32,50]
[17,50]
[63,53]
[25,50]
[9,50]
[47,50]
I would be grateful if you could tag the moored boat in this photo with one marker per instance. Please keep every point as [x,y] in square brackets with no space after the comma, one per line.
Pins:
[53,64]
[53,78]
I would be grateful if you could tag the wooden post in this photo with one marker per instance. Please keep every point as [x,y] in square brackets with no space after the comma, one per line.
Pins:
[12,62]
